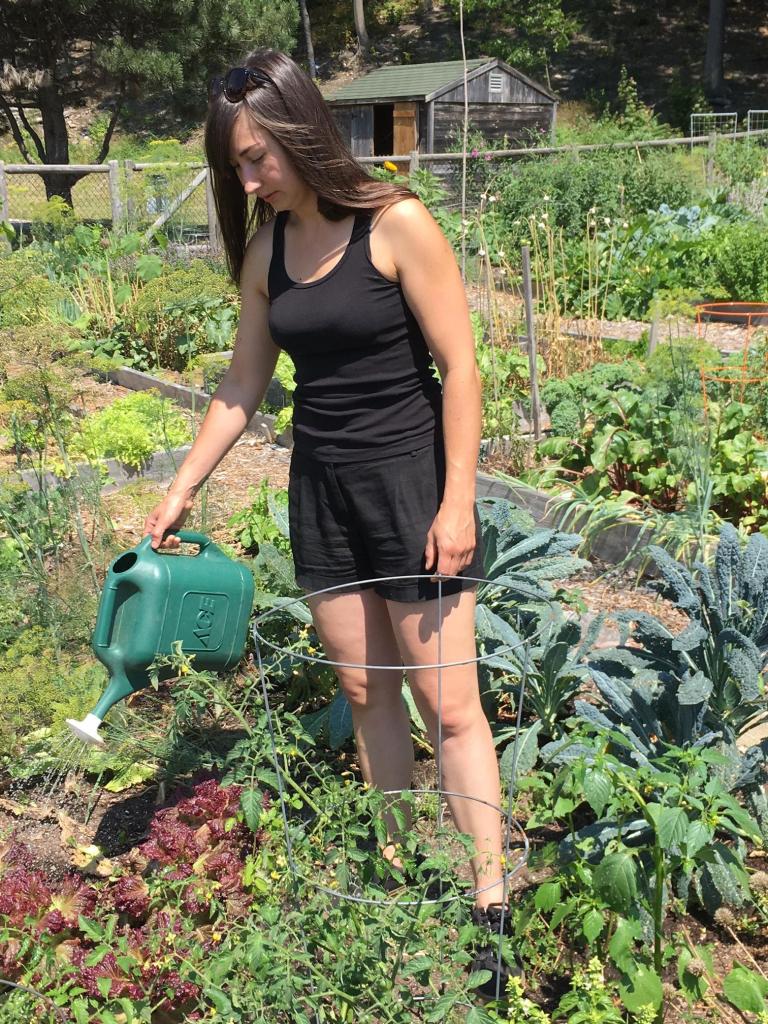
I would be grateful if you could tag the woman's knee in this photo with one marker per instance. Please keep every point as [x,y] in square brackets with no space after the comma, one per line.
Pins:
[454,719]
[367,690]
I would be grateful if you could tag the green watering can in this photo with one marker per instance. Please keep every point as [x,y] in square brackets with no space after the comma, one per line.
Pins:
[151,601]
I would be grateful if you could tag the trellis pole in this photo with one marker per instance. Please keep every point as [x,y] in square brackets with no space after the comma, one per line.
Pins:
[530,332]
[114,193]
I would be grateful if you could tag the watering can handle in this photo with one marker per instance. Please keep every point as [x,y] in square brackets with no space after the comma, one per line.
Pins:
[193,537]
[104,618]
[185,536]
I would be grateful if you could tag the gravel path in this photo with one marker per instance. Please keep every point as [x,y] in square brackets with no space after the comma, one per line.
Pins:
[722,336]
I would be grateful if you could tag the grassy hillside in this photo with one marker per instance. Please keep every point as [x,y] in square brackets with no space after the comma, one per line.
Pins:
[661,45]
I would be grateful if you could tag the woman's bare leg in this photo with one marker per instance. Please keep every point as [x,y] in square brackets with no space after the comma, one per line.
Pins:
[468,757]
[355,628]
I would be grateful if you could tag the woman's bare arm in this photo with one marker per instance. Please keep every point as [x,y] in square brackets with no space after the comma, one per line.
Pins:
[234,402]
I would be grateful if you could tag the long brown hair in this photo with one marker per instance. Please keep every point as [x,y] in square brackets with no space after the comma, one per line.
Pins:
[293,111]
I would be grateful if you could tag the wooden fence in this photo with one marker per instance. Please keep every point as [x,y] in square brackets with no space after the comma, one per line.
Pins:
[117,202]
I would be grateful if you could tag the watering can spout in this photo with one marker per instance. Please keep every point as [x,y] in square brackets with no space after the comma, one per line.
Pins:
[119,687]
[87,730]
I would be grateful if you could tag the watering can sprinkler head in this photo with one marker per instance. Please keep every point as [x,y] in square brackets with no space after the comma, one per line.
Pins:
[87,730]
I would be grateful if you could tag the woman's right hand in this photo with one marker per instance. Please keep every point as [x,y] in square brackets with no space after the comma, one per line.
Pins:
[169,515]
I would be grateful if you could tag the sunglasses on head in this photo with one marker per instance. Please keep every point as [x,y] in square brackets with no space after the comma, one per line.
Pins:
[237,82]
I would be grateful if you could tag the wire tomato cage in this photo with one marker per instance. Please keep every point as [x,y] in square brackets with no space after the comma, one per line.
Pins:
[752,316]
[356,887]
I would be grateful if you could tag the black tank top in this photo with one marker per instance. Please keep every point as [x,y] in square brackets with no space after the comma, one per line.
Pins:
[365,382]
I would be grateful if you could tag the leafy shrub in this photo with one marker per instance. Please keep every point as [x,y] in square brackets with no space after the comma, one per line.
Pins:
[132,429]
[739,261]
[668,360]
[567,188]
[51,219]
[179,314]
[572,402]
[38,344]
[395,12]
[740,161]
[599,122]
[35,409]
[183,284]
[659,252]
[28,298]
[505,377]
[33,522]
[17,266]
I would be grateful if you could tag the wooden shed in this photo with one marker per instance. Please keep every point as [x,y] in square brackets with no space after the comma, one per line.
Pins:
[394,110]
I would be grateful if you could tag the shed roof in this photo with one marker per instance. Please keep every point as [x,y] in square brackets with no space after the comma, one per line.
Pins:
[406,81]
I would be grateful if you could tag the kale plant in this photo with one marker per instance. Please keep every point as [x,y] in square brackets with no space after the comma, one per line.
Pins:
[705,686]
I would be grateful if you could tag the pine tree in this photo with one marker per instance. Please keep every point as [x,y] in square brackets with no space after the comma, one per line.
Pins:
[55,53]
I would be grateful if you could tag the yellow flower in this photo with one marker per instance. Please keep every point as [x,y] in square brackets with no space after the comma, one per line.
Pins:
[390,166]
[216,937]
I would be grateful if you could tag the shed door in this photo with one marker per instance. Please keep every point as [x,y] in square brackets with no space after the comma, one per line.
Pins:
[406,127]
[362,131]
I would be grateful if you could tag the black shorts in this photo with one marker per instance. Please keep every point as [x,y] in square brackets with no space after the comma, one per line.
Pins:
[351,522]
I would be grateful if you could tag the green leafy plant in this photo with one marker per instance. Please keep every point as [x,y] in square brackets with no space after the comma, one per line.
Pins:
[704,686]
[739,261]
[589,1000]
[661,822]
[641,435]
[176,315]
[131,429]
[259,521]
[43,686]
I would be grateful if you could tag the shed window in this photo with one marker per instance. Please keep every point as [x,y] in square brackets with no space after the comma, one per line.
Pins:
[495,82]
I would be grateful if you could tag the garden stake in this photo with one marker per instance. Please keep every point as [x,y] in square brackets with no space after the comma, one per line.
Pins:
[155,605]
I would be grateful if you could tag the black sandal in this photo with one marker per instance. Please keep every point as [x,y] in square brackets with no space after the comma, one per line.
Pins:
[487,955]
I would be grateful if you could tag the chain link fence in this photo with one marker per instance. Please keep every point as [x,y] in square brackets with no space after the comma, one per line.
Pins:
[23,191]
[176,198]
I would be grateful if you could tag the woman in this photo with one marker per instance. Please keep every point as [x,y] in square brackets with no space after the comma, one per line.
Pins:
[353,278]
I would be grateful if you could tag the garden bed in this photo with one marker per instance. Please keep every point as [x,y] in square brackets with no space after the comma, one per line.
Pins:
[647,879]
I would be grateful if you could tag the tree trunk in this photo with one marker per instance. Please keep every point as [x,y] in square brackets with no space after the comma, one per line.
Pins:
[308,38]
[56,142]
[362,32]
[714,78]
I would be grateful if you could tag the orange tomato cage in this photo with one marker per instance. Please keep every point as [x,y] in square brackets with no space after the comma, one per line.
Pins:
[751,315]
